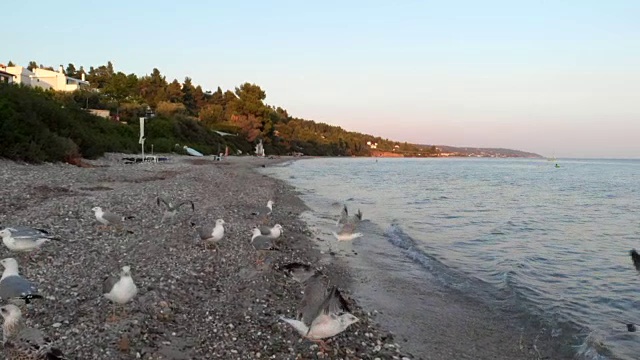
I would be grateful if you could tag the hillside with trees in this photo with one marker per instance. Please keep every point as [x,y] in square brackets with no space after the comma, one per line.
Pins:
[183,113]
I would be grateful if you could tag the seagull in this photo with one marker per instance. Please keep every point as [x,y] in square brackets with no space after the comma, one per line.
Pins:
[273,232]
[298,271]
[22,342]
[345,219]
[261,243]
[635,257]
[13,286]
[171,210]
[323,314]
[265,212]
[211,235]
[119,290]
[25,239]
[107,218]
[346,233]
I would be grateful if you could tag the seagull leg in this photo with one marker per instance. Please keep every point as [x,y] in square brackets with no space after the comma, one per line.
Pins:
[113,317]
[322,344]
[260,260]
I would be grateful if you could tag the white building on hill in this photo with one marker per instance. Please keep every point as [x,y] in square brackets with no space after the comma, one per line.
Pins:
[46,79]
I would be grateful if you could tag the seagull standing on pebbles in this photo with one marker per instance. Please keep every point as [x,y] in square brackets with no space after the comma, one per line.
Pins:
[15,287]
[107,218]
[119,290]
[325,314]
[261,243]
[171,210]
[211,235]
[22,342]
[265,212]
[273,232]
[26,240]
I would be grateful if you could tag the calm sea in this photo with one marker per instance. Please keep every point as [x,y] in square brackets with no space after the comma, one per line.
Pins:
[556,240]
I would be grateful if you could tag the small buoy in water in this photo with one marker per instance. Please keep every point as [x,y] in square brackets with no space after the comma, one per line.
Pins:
[631,328]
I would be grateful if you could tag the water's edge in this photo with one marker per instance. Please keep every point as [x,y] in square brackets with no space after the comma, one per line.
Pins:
[425,308]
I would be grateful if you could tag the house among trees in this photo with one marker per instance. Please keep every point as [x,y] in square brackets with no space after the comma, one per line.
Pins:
[45,78]
[6,78]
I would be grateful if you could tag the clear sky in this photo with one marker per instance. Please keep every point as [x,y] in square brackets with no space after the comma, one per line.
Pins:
[554,77]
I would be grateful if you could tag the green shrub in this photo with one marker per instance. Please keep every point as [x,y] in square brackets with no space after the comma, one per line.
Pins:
[38,126]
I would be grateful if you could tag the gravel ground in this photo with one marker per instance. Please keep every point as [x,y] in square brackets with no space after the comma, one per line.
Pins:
[192,303]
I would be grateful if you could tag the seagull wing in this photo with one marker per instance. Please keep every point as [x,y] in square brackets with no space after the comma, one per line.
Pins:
[28,232]
[205,232]
[164,201]
[265,230]
[193,207]
[111,217]
[315,293]
[344,215]
[15,286]
[108,283]
[334,303]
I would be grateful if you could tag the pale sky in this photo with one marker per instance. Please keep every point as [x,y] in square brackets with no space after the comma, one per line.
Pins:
[553,77]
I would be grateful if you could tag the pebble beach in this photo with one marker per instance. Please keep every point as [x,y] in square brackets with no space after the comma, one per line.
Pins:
[192,302]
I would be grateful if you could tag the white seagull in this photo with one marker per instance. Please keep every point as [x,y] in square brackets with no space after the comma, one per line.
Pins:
[324,313]
[15,287]
[211,235]
[272,232]
[107,218]
[119,290]
[25,240]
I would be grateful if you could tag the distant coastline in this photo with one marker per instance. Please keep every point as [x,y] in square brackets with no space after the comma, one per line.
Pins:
[450,151]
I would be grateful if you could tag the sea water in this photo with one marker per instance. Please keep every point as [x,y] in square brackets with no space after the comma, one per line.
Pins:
[555,240]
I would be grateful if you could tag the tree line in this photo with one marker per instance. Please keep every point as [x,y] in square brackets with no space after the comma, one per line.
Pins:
[241,111]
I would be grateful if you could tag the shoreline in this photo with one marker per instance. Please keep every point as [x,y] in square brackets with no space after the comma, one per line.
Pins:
[192,303]
[429,320]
